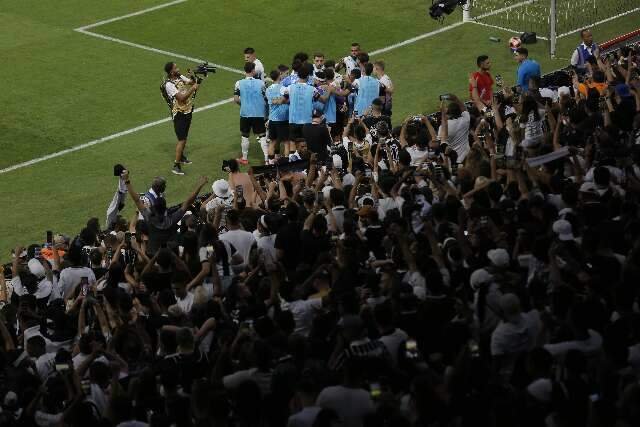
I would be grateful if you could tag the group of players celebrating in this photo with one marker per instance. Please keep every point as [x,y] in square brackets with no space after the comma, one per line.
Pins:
[276,107]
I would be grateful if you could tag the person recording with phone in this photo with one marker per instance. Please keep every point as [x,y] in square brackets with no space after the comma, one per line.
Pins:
[179,92]
[454,129]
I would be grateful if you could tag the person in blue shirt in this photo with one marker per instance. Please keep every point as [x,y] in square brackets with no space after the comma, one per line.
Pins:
[528,68]
[300,96]
[331,108]
[368,90]
[278,116]
[249,94]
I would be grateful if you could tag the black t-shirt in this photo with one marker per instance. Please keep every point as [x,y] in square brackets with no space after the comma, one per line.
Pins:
[311,246]
[99,272]
[624,113]
[318,138]
[156,282]
[371,121]
[374,235]
[288,240]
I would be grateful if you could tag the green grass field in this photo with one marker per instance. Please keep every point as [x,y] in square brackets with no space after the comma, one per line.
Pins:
[66,88]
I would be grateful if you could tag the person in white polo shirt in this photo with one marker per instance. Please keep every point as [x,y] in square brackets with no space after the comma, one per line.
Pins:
[455,127]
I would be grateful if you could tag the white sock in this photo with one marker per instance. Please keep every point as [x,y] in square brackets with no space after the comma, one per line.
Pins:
[244,144]
[265,147]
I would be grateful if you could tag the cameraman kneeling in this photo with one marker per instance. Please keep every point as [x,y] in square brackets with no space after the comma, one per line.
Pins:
[179,92]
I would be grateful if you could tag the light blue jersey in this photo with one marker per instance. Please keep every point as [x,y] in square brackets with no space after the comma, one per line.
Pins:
[277,112]
[300,103]
[368,90]
[330,109]
[251,92]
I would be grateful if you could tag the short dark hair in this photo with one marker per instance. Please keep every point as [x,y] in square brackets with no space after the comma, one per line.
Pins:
[584,30]
[168,67]
[318,55]
[329,73]
[274,74]
[354,44]
[356,73]
[481,59]
[249,50]
[368,68]
[599,76]
[305,71]
[249,67]
[233,216]
[363,57]
[233,165]
[523,51]
[302,56]
[282,68]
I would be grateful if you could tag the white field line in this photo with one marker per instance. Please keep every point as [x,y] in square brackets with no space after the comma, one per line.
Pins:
[84,30]
[129,15]
[155,50]
[510,30]
[416,38]
[105,139]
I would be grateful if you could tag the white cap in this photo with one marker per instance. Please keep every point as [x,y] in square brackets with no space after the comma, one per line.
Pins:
[348,179]
[564,90]
[563,229]
[36,268]
[498,257]
[221,188]
[479,277]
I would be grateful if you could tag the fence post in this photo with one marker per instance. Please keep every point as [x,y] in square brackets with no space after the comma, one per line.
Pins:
[553,19]
[466,11]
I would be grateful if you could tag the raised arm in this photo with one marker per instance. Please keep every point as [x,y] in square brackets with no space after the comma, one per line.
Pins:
[134,195]
[201,183]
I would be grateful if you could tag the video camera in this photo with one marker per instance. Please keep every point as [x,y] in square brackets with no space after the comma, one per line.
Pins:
[440,8]
[201,71]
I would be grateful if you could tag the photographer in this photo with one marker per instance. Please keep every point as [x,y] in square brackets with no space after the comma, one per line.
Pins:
[179,92]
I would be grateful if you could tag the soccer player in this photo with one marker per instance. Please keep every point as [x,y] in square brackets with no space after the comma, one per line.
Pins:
[350,62]
[318,62]
[249,94]
[300,96]
[250,56]
[586,50]
[481,83]
[368,90]
[386,86]
[528,68]
[278,115]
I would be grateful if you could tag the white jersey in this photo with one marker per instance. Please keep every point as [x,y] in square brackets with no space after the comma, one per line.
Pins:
[350,63]
[259,71]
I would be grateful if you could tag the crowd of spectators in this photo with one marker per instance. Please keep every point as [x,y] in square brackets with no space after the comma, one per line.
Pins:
[476,267]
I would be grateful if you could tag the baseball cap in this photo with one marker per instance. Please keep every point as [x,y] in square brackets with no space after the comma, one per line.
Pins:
[479,277]
[498,257]
[510,306]
[563,229]
[36,268]
[622,90]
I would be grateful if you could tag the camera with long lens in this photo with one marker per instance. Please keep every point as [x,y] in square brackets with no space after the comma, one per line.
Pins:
[201,71]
